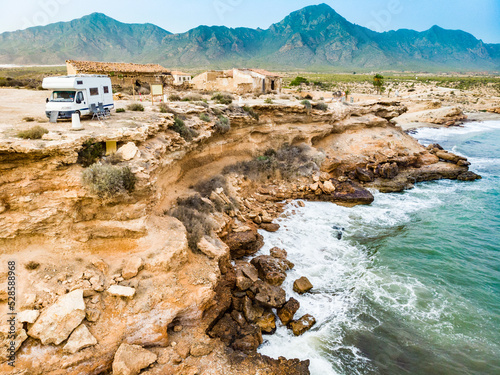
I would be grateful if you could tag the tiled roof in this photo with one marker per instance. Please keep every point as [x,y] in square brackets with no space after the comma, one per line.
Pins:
[107,67]
[179,73]
[264,72]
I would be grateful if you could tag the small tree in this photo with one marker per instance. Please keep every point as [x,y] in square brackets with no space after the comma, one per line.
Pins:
[378,83]
[298,81]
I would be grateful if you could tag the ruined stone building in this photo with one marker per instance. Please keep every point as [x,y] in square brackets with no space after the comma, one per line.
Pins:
[123,74]
[238,81]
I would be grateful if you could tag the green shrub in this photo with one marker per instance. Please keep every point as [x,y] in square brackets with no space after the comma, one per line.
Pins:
[268,101]
[321,106]
[181,128]
[28,119]
[206,187]
[174,98]
[35,132]
[135,107]
[222,98]
[192,97]
[202,103]
[205,117]
[287,163]
[90,152]
[120,110]
[198,224]
[194,212]
[251,112]
[306,104]
[222,125]
[108,180]
[298,81]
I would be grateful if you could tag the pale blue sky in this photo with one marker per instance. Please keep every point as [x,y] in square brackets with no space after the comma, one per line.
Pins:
[479,17]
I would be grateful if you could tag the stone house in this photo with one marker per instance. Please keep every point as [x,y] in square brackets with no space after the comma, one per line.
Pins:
[181,78]
[123,74]
[238,81]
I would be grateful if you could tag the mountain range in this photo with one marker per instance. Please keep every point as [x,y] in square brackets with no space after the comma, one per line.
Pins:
[313,38]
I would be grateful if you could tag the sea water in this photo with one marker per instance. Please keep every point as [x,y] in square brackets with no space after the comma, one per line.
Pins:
[413,285]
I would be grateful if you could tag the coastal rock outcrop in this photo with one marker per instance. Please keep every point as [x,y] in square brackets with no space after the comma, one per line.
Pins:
[128,264]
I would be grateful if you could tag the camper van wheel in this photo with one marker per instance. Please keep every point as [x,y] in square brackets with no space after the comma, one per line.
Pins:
[78,113]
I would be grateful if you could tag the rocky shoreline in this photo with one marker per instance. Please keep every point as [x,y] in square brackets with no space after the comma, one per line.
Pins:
[153,282]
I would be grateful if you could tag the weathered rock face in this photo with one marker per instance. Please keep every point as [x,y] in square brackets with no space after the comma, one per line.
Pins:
[131,359]
[57,322]
[43,206]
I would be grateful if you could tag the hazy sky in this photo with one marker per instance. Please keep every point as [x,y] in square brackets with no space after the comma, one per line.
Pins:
[479,17]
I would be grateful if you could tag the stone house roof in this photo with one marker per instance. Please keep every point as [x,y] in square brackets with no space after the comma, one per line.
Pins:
[265,73]
[107,67]
[179,73]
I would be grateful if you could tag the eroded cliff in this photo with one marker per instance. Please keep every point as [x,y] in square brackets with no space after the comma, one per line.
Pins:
[137,275]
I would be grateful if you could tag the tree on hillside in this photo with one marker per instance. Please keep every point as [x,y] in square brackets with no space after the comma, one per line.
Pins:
[378,83]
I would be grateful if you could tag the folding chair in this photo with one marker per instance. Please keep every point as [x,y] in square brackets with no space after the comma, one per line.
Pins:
[104,113]
[95,112]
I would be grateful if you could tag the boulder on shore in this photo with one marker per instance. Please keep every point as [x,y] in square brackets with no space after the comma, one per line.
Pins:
[268,295]
[304,324]
[270,269]
[302,285]
[287,312]
[244,243]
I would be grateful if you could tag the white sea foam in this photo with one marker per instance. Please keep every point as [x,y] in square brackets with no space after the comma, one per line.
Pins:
[439,134]
[343,274]
[346,274]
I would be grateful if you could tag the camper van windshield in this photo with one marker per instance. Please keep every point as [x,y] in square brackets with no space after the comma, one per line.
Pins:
[63,96]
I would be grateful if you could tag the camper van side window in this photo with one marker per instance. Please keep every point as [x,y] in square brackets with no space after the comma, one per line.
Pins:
[106,89]
[79,82]
[94,91]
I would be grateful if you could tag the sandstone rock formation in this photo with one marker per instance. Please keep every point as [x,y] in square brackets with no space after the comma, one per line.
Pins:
[122,267]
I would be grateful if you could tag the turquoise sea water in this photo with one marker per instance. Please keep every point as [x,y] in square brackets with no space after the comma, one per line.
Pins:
[413,287]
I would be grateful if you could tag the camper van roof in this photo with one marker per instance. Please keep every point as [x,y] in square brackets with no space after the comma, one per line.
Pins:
[83,76]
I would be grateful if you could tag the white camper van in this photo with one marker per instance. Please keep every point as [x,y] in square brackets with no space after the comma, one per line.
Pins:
[83,94]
